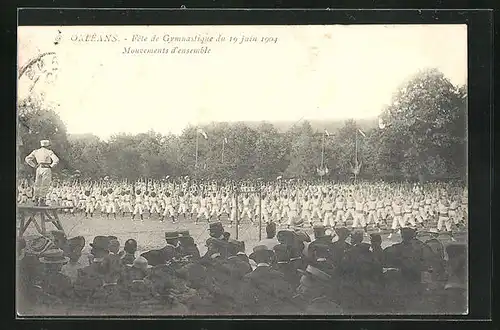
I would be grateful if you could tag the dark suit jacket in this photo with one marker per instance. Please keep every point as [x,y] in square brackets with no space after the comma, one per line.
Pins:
[265,291]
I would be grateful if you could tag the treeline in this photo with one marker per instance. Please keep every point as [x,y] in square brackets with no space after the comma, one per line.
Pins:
[422,135]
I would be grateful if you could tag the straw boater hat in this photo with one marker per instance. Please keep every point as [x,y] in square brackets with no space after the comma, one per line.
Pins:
[53,256]
[261,250]
[44,143]
[434,231]
[315,273]
[38,245]
[141,263]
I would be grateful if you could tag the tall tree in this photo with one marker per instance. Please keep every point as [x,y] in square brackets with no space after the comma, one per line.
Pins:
[426,127]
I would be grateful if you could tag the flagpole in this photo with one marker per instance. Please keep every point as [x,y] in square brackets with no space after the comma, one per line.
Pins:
[323,151]
[223,141]
[356,154]
[196,157]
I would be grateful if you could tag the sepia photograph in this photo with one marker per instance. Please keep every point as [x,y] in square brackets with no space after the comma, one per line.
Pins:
[242,170]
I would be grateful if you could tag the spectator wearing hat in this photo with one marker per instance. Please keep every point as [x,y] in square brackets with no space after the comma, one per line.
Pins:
[187,247]
[30,263]
[414,255]
[321,258]
[161,256]
[53,282]
[315,293]
[236,265]
[165,280]
[216,248]
[282,264]
[91,278]
[287,237]
[265,290]
[224,273]
[135,281]
[172,238]
[74,253]
[323,237]
[377,251]
[129,249]
[114,249]
[340,246]
[99,248]
[360,268]
[270,241]
[216,230]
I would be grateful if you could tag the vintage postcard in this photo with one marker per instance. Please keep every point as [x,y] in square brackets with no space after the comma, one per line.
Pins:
[242,170]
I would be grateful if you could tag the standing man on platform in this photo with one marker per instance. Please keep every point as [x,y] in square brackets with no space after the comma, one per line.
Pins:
[45,159]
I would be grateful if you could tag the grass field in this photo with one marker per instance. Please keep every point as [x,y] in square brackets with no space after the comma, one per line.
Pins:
[150,232]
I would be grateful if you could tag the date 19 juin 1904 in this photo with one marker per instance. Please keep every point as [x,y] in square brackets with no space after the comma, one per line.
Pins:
[244,39]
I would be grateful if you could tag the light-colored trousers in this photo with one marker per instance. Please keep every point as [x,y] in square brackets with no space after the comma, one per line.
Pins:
[43,180]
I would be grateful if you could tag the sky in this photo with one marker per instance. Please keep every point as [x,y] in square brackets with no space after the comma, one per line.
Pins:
[310,72]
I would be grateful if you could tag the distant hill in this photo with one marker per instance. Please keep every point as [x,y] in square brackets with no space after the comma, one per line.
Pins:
[82,137]
[281,126]
[318,125]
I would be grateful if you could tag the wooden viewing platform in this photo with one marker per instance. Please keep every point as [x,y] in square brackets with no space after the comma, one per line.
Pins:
[28,214]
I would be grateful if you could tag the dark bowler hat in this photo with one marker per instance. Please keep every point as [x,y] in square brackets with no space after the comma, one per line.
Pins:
[342,232]
[183,233]
[286,236]
[456,251]
[282,253]
[100,242]
[261,250]
[408,233]
[171,235]
[214,226]
[320,231]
